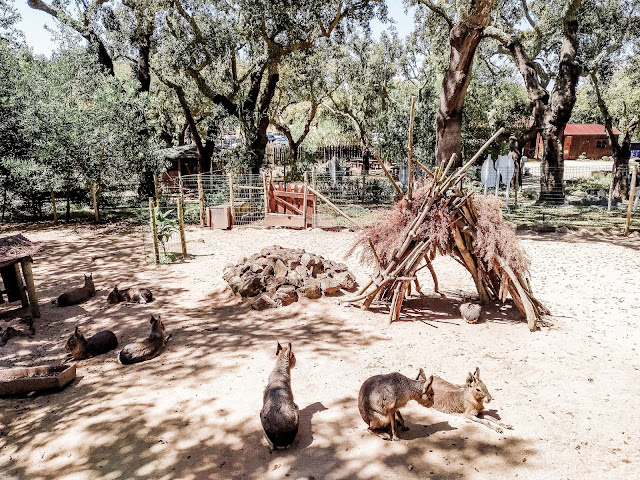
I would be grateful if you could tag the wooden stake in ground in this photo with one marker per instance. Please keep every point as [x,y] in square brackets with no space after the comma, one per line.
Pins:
[265,191]
[315,201]
[231,199]
[53,206]
[183,239]
[31,288]
[154,231]
[201,200]
[410,151]
[304,201]
[94,192]
[632,196]
[156,188]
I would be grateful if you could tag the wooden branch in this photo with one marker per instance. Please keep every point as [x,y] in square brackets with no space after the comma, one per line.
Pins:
[386,172]
[410,151]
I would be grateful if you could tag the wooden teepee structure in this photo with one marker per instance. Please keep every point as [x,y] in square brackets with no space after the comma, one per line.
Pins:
[493,275]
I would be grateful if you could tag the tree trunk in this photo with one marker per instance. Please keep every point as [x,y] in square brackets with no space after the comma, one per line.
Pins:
[464,37]
[366,155]
[259,143]
[621,156]
[143,70]
[551,113]
[552,164]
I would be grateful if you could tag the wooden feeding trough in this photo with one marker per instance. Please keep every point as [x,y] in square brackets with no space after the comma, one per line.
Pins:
[15,252]
[289,205]
[28,379]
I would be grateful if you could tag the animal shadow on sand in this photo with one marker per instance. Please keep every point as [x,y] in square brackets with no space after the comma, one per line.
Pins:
[305,434]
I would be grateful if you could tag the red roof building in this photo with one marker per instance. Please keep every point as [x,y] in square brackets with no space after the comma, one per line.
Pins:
[589,139]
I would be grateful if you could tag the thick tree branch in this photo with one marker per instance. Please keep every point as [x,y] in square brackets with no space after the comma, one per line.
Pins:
[438,10]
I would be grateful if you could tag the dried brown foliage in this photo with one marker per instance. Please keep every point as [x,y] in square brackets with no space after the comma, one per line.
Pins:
[495,238]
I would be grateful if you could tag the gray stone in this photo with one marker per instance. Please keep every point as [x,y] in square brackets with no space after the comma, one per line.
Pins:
[346,279]
[286,295]
[330,285]
[310,291]
[294,278]
[470,312]
[263,302]
[280,269]
[250,286]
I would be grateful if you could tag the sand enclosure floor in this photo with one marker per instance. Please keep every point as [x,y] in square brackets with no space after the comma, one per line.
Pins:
[570,390]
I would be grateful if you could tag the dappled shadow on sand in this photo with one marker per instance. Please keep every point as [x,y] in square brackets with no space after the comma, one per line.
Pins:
[435,309]
[193,412]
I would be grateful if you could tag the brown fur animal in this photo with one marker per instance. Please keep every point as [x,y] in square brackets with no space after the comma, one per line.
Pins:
[81,348]
[279,414]
[468,399]
[138,295]
[145,349]
[78,295]
[382,396]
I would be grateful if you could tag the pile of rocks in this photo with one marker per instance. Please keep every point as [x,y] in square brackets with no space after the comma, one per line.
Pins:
[278,276]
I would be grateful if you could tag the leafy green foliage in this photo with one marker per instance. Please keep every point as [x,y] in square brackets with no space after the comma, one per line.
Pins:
[166,225]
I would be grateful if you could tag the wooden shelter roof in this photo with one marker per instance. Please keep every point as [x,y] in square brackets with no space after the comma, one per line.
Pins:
[16,247]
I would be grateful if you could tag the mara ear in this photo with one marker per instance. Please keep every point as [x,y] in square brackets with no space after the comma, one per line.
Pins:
[477,375]
[91,276]
[278,348]
[115,289]
[470,379]
[421,375]
[77,331]
[153,319]
[427,384]
[290,351]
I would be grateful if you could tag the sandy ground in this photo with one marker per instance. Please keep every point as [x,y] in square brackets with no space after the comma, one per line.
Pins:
[570,389]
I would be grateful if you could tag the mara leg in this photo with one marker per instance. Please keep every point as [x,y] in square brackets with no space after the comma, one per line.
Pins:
[489,418]
[392,421]
[378,425]
[486,423]
[401,421]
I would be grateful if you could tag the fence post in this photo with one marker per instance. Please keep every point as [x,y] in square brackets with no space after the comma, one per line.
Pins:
[233,210]
[53,204]
[304,201]
[265,191]
[183,240]
[613,170]
[315,199]
[156,188]
[94,191]
[154,231]
[201,199]
[632,196]
[410,151]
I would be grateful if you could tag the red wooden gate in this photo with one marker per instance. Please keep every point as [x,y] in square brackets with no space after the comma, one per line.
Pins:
[286,205]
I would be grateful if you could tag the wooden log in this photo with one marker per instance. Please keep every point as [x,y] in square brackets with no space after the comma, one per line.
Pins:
[410,151]
[31,288]
[183,239]
[386,172]
[471,266]
[154,231]
[20,286]
[424,168]
[433,275]
[156,189]
[632,196]
[529,311]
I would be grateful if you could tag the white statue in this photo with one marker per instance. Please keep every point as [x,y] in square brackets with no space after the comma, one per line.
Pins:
[488,174]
